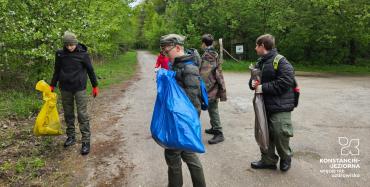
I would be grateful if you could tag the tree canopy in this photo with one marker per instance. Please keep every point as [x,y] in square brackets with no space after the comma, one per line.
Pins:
[31,32]
[315,31]
[307,31]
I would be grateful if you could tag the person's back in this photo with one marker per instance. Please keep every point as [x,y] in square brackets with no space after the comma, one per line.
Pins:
[187,76]
[208,67]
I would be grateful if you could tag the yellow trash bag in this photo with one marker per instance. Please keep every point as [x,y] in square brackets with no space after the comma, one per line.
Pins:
[47,121]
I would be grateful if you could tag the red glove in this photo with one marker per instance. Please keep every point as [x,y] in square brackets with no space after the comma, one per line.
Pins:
[296,89]
[52,88]
[95,91]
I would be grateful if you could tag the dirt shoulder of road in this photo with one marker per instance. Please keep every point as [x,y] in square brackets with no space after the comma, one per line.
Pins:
[79,170]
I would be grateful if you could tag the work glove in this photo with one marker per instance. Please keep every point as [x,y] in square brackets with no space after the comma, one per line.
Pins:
[95,91]
[259,89]
[255,83]
[52,88]
[296,89]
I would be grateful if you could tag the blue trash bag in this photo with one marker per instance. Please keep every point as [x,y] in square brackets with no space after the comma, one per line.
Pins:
[175,121]
[204,102]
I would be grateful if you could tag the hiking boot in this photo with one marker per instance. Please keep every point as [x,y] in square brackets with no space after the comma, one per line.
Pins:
[211,131]
[285,164]
[85,149]
[261,165]
[217,138]
[70,141]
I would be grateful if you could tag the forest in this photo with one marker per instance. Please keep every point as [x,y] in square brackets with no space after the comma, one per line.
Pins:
[309,32]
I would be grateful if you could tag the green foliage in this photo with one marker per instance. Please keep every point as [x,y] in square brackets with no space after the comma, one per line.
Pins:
[23,164]
[20,166]
[117,70]
[31,31]
[37,163]
[23,104]
[233,66]
[343,69]
[362,68]
[324,31]
[5,167]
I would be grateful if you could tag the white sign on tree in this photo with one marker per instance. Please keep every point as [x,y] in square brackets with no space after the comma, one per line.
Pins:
[239,49]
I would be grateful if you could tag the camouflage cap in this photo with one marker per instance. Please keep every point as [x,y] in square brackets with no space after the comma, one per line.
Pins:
[172,39]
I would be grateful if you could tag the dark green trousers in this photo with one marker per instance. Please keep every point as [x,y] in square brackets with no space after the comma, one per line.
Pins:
[214,115]
[173,160]
[68,101]
[280,129]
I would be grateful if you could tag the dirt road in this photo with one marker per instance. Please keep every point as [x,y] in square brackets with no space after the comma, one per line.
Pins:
[124,154]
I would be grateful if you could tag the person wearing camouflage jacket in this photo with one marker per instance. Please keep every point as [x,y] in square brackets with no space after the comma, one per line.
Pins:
[211,73]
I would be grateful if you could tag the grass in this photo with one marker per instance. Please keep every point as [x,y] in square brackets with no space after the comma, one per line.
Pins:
[335,69]
[117,70]
[362,68]
[17,103]
[22,104]
[233,66]
[24,156]
[29,164]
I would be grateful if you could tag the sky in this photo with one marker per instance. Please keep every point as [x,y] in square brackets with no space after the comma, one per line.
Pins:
[136,2]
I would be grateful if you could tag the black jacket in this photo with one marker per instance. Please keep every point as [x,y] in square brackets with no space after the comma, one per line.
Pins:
[277,85]
[71,69]
[187,76]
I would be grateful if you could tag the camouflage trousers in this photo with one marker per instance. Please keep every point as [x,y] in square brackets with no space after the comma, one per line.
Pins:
[68,102]
[280,130]
[214,115]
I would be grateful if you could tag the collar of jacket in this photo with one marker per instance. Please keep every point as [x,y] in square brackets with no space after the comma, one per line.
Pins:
[182,59]
[79,48]
[269,55]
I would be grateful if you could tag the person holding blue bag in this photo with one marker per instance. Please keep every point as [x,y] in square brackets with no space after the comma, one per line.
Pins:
[186,74]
